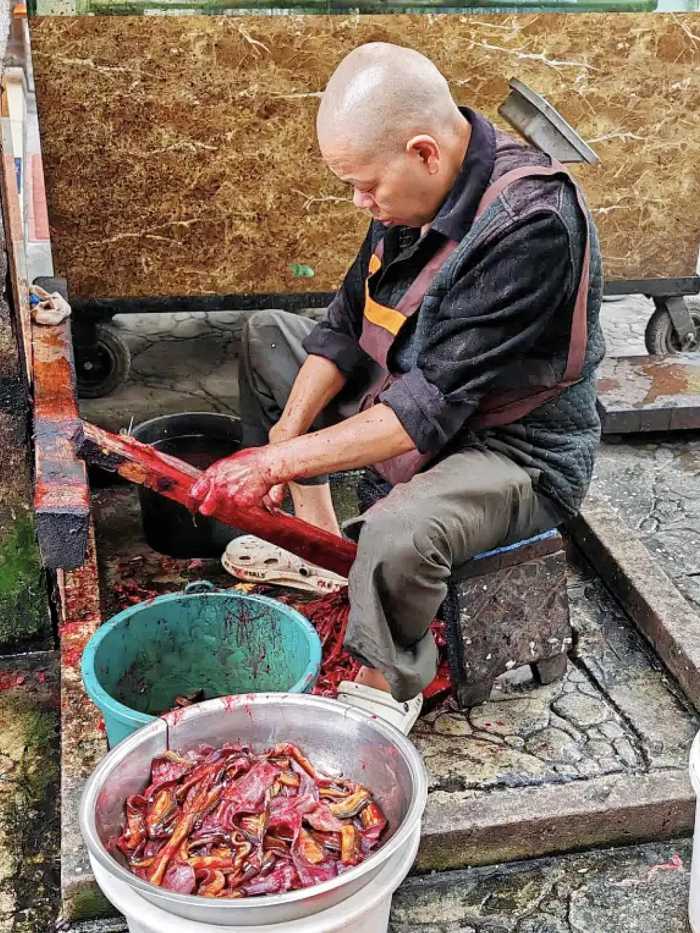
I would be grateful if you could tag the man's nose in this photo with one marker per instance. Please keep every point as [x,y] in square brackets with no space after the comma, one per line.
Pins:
[362,199]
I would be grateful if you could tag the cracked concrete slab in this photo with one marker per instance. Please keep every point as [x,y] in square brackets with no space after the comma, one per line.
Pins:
[652,481]
[615,712]
[634,889]
[180,361]
[463,829]
[650,597]
[640,524]
[624,321]
[653,484]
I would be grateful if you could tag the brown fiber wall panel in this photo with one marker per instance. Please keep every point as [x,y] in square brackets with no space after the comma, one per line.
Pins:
[180,154]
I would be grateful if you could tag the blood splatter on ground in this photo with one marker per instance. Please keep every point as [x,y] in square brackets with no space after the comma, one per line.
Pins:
[328,614]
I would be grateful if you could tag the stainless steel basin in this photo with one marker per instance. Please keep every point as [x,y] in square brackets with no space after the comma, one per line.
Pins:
[336,738]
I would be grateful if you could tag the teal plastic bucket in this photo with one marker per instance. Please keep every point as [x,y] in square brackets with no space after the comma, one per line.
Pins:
[218,641]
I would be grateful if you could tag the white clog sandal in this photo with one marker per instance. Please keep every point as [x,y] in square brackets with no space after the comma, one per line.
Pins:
[401,715]
[256,561]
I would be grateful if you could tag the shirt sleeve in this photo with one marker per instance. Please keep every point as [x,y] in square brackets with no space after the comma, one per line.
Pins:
[337,336]
[501,325]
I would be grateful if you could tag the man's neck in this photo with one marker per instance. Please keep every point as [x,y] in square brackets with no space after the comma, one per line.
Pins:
[456,155]
[460,151]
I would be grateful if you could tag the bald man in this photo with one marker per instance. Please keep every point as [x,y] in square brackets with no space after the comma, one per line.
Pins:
[456,361]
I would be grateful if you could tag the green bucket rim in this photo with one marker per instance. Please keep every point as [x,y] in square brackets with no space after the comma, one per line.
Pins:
[104,700]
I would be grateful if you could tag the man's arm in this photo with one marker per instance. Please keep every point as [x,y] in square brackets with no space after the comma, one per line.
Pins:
[334,352]
[247,477]
[368,437]
[494,314]
[317,383]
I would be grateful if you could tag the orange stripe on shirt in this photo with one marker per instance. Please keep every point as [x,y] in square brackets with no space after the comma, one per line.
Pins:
[388,318]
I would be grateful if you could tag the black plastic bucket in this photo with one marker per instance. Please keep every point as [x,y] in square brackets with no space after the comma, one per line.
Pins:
[199,438]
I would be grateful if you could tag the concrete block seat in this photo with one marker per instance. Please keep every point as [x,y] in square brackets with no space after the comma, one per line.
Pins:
[505,608]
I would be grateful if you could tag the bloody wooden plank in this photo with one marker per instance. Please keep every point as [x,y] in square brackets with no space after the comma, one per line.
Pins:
[173,479]
[61,493]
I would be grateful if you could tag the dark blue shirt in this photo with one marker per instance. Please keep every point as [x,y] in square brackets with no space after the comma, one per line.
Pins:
[497,316]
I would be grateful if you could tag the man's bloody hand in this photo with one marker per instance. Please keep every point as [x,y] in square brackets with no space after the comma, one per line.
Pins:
[245,479]
[253,477]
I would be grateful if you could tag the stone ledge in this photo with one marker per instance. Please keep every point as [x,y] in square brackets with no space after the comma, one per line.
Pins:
[536,821]
[112,925]
[645,592]
[632,889]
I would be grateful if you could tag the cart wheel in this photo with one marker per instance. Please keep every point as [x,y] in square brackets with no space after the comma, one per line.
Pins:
[103,365]
[660,337]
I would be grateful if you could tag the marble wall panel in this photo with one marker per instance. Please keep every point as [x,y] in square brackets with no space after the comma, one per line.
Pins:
[180,153]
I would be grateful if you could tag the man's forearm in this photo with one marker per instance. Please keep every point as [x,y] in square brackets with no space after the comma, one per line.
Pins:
[317,383]
[370,437]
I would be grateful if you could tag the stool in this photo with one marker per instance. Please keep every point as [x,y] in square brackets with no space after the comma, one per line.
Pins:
[507,608]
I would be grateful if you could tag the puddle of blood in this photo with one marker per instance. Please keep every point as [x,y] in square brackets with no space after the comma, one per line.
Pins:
[69,628]
[668,380]
[608,384]
[71,656]
[11,679]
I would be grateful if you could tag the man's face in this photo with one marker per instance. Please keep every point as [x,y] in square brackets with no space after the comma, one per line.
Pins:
[393,188]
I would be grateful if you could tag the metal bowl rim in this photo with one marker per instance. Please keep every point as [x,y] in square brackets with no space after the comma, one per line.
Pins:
[99,695]
[403,831]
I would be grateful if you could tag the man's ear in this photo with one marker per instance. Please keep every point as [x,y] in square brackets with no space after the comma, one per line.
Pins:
[426,149]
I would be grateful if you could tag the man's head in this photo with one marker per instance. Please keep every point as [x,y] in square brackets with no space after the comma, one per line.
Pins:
[388,126]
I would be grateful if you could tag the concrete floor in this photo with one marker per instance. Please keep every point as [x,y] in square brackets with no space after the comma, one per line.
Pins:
[616,714]
[627,890]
